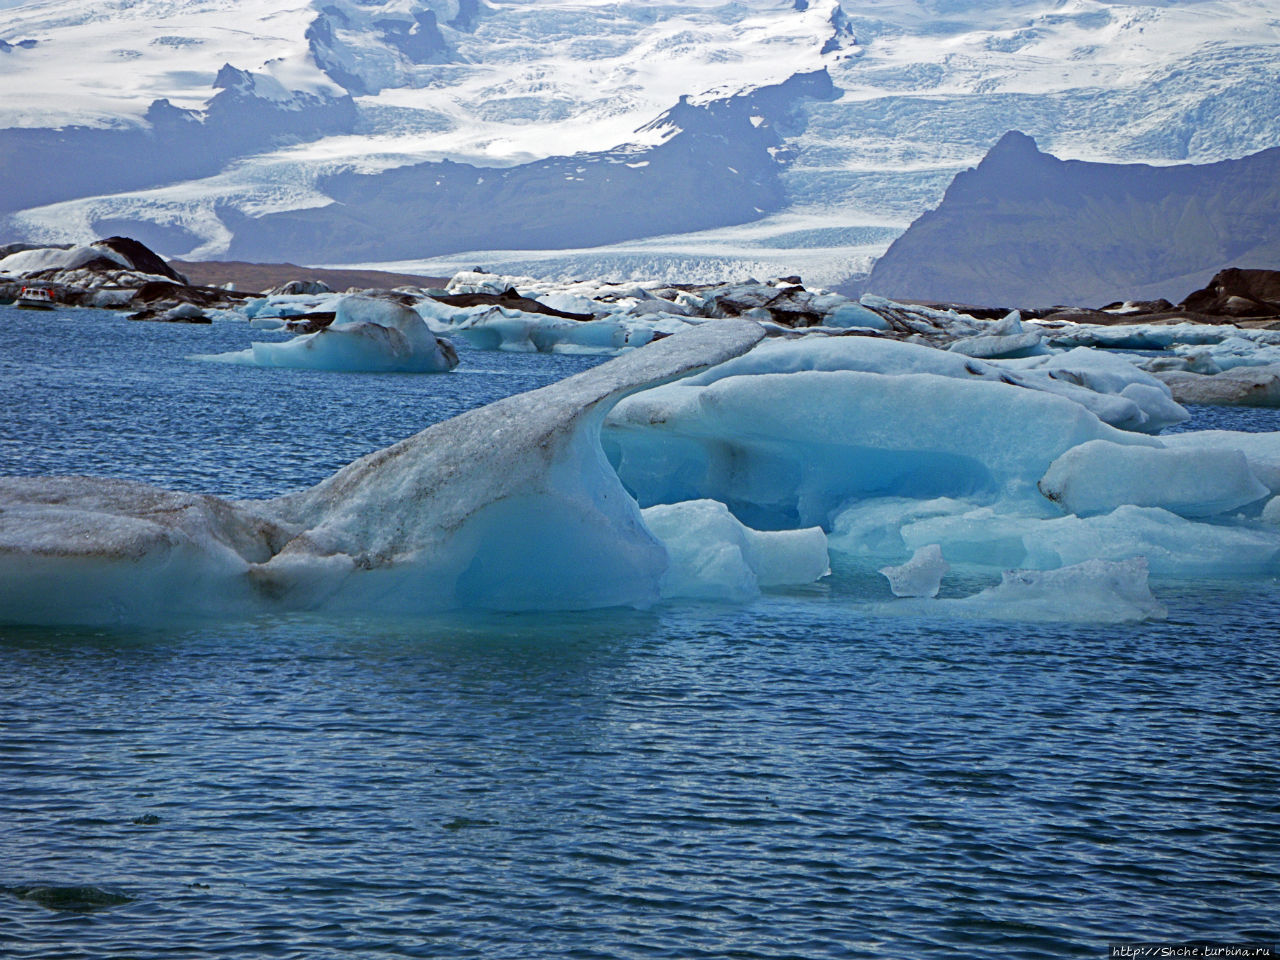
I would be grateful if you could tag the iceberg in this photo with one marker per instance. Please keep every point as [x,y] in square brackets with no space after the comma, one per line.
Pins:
[1096,591]
[500,328]
[27,262]
[367,335]
[1097,477]
[1240,386]
[785,440]
[715,557]
[921,576]
[978,536]
[511,506]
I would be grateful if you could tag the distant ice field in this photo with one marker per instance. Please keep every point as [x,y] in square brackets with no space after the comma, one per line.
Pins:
[925,88]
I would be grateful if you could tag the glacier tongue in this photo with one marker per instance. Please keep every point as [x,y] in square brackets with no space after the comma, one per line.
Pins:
[510,506]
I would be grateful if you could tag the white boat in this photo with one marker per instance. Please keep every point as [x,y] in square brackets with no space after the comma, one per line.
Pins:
[36,298]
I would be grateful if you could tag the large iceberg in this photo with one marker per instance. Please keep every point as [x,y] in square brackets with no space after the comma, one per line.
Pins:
[510,506]
[367,335]
[789,433]
[706,465]
[894,447]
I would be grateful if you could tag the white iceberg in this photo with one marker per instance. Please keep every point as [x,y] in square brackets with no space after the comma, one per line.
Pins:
[712,556]
[1096,591]
[1098,477]
[367,335]
[921,576]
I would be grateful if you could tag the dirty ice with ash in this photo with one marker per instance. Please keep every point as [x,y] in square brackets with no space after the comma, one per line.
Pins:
[672,141]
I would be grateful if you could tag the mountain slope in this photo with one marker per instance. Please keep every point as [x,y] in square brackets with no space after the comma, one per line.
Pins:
[1025,228]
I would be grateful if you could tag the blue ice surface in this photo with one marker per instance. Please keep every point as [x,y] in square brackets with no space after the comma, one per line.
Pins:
[790,778]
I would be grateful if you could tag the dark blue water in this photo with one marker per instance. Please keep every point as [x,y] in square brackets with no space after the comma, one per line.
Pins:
[787,779]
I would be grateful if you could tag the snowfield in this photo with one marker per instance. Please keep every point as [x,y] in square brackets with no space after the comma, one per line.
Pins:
[924,89]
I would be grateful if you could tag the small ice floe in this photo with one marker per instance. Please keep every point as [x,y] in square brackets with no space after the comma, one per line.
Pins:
[921,576]
[712,556]
[1098,476]
[1095,591]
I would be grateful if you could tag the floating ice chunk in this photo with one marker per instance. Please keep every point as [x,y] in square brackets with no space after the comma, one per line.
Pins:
[499,328]
[569,303]
[1095,381]
[1096,370]
[979,536]
[1262,450]
[289,305]
[469,281]
[1159,409]
[1096,591]
[992,346]
[921,576]
[1098,476]
[873,528]
[788,449]
[509,506]
[1238,387]
[1236,350]
[715,557]
[1116,390]
[1174,546]
[367,335]
[1139,336]
[855,315]
[1007,326]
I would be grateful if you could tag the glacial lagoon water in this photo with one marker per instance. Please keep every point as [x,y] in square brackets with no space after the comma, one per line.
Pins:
[790,778]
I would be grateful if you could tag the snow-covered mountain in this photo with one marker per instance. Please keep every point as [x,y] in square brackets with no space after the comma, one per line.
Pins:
[646,138]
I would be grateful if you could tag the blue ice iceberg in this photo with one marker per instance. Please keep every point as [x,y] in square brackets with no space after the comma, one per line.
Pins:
[367,335]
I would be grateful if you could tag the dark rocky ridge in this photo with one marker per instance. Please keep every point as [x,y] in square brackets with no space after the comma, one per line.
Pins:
[264,276]
[1025,227]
